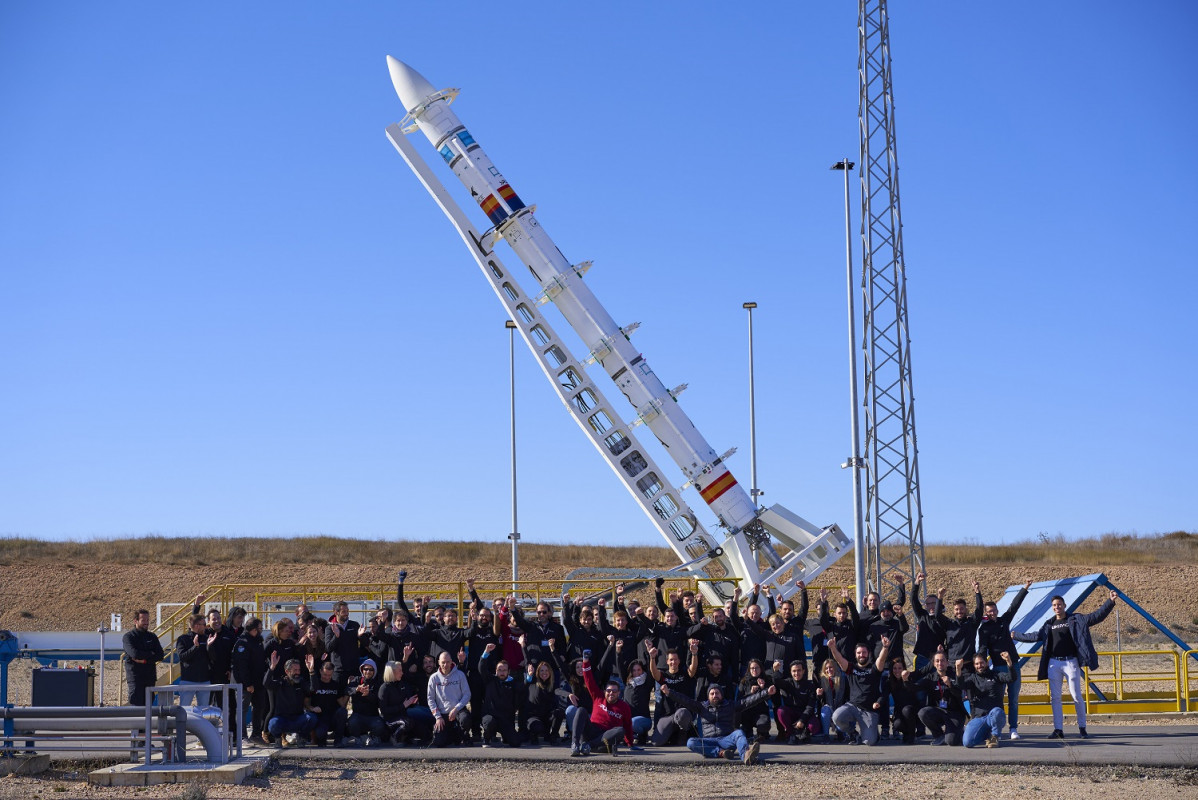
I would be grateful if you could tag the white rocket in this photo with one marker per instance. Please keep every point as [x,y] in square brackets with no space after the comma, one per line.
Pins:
[746,552]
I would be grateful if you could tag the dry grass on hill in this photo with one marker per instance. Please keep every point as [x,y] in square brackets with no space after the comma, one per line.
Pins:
[1179,547]
[76,585]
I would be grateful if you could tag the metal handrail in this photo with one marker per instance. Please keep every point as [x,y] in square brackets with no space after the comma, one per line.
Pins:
[1119,675]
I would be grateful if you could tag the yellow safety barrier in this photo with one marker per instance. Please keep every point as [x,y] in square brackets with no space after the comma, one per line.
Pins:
[1132,681]
[1189,674]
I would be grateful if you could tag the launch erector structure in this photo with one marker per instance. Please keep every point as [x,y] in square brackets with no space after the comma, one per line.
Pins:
[745,551]
[894,516]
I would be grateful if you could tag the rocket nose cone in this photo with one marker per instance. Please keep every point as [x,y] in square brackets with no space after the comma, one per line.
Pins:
[409,84]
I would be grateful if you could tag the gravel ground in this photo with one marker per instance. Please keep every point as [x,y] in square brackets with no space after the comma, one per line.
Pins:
[354,779]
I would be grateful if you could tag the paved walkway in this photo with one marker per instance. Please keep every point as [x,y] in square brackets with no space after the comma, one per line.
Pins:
[1144,745]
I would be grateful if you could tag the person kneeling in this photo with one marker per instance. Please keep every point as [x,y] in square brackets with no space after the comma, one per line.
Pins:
[291,707]
[365,724]
[395,698]
[448,694]
[986,689]
[503,702]
[610,719]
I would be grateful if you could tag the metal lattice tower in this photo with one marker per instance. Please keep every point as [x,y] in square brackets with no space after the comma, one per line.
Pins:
[894,521]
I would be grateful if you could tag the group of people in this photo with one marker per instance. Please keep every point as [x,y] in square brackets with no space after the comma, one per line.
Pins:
[718,681]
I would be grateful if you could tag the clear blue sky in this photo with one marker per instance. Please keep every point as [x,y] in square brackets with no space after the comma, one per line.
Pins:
[228,308]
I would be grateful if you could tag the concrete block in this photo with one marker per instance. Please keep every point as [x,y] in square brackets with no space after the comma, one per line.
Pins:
[25,765]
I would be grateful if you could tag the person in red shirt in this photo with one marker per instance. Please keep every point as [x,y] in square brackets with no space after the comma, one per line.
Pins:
[610,720]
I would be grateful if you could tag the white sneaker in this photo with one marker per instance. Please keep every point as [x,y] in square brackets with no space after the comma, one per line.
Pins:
[1014,735]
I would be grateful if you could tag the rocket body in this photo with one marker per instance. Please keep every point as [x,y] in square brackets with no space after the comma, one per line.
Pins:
[562,282]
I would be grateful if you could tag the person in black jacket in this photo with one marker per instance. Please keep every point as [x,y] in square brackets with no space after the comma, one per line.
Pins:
[719,736]
[341,643]
[542,716]
[396,699]
[904,692]
[363,691]
[291,713]
[944,715]
[797,701]
[195,669]
[711,672]
[143,651]
[249,667]
[480,634]
[985,689]
[994,637]
[619,631]
[504,700]
[1067,648]
[755,716]
[841,625]
[930,623]
[720,637]
[638,691]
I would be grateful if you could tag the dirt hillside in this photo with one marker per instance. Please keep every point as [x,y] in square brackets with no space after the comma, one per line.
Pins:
[55,594]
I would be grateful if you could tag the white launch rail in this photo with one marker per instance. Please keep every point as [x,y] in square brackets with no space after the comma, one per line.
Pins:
[745,552]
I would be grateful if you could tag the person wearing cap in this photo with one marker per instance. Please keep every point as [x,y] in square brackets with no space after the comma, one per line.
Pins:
[1067,648]
[930,623]
[719,736]
[448,694]
[365,720]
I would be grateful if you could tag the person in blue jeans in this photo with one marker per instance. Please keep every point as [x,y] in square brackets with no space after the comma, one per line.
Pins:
[994,637]
[986,689]
[720,736]
[293,712]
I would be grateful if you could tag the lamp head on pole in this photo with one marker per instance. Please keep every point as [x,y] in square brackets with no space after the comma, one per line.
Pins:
[509,324]
[749,305]
[843,165]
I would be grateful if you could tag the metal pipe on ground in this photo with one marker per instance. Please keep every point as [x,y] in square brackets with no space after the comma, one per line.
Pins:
[131,718]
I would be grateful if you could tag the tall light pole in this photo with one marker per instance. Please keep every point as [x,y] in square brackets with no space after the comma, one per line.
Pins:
[515,534]
[754,492]
[855,462]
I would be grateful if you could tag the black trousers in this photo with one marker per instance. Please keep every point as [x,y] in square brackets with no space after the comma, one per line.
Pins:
[940,723]
[331,722]
[504,726]
[259,701]
[456,731]
[590,733]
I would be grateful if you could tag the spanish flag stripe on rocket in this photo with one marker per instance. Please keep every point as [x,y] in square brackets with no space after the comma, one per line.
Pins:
[717,488]
[510,197]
